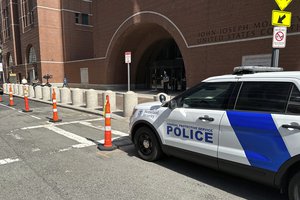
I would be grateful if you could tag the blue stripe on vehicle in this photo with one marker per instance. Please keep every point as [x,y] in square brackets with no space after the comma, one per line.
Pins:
[260,139]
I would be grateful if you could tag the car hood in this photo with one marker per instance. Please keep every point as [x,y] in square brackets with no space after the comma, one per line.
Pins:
[149,106]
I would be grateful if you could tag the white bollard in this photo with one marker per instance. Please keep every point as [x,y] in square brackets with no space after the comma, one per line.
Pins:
[31,91]
[21,89]
[130,100]
[7,88]
[57,92]
[156,97]
[38,92]
[112,99]
[46,93]
[77,97]
[65,95]
[16,89]
[91,98]
[4,88]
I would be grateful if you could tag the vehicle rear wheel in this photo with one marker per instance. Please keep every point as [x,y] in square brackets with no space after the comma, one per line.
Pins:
[294,187]
[147,145]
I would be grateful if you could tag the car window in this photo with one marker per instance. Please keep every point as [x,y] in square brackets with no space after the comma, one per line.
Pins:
[263,96]
[294,102]
[208,96]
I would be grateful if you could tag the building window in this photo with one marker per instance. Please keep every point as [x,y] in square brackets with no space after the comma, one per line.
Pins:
[85,19]
[31,56]
[27,13]
[82,18]
[5,23]
[77,17]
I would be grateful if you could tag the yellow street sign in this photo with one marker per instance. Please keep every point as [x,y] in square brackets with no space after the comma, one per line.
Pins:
[282,4]
[281,18]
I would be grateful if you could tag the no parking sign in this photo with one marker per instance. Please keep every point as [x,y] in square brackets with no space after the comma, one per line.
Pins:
[279,37]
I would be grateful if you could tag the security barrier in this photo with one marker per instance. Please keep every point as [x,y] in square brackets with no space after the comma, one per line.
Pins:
[76,97]
[38,92]
[91,99]
[65,95]
[20,89]
[46,93]
[130,100]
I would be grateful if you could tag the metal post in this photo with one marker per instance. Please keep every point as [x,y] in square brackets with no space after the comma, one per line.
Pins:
[275,58]
[128,70]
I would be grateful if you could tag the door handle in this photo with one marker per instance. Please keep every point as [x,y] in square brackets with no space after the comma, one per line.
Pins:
[291,126]
[206,118]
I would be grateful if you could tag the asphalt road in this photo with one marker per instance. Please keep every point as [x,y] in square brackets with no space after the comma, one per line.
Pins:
[41,160]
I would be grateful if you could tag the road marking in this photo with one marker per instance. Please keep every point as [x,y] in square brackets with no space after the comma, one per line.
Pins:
[7,106]
[115,132]
[83,142]
[35,117]
[59,124]
[35,149]
[8,160]
[70,135]
[19,111]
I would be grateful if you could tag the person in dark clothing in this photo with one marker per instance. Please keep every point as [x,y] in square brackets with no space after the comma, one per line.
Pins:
[166,82]
[65,83]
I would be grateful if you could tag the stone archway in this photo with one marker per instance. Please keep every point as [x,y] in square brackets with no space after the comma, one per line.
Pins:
[147,42]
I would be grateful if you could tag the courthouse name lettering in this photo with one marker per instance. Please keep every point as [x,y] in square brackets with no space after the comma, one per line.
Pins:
[243,31]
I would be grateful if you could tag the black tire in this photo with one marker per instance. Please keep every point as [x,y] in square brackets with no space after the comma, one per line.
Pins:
[147,145]
[294,187]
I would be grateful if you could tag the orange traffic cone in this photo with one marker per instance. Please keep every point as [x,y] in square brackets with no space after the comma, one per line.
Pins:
[11,98]
[1,98]
[27,109]
[55,115]
[108,145]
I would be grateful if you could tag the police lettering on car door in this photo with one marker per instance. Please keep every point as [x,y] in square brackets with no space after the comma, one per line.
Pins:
[187,132]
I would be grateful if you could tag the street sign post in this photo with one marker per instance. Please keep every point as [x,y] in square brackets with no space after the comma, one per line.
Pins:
[282,4]
[279,37]
[128,61]
[281,18]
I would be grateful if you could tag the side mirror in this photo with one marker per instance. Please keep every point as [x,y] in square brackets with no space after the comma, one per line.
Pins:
[162,98]
[172,104]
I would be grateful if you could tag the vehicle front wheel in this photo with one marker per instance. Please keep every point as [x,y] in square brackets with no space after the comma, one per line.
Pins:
[147,145]
[294,187]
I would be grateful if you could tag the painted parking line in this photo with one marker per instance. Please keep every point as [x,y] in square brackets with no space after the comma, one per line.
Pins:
[29,115]
[8,160]
[115,132]
[1,104]
[83,141]
[19,111]
[60,124]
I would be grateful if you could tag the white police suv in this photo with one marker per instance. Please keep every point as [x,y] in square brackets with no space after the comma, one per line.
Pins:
[247,124]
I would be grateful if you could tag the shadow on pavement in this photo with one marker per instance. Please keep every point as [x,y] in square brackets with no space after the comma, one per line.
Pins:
[226,182]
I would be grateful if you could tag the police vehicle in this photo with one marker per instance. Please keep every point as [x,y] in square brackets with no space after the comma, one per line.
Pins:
[247,124]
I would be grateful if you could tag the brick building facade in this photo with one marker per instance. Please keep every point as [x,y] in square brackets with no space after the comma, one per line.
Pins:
[190,40]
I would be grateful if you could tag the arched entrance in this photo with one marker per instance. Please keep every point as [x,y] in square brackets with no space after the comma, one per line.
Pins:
[154,51]
[162,56]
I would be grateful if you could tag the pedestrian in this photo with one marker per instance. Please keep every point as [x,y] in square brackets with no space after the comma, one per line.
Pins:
[24,81]
[65,84]
[166,82]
